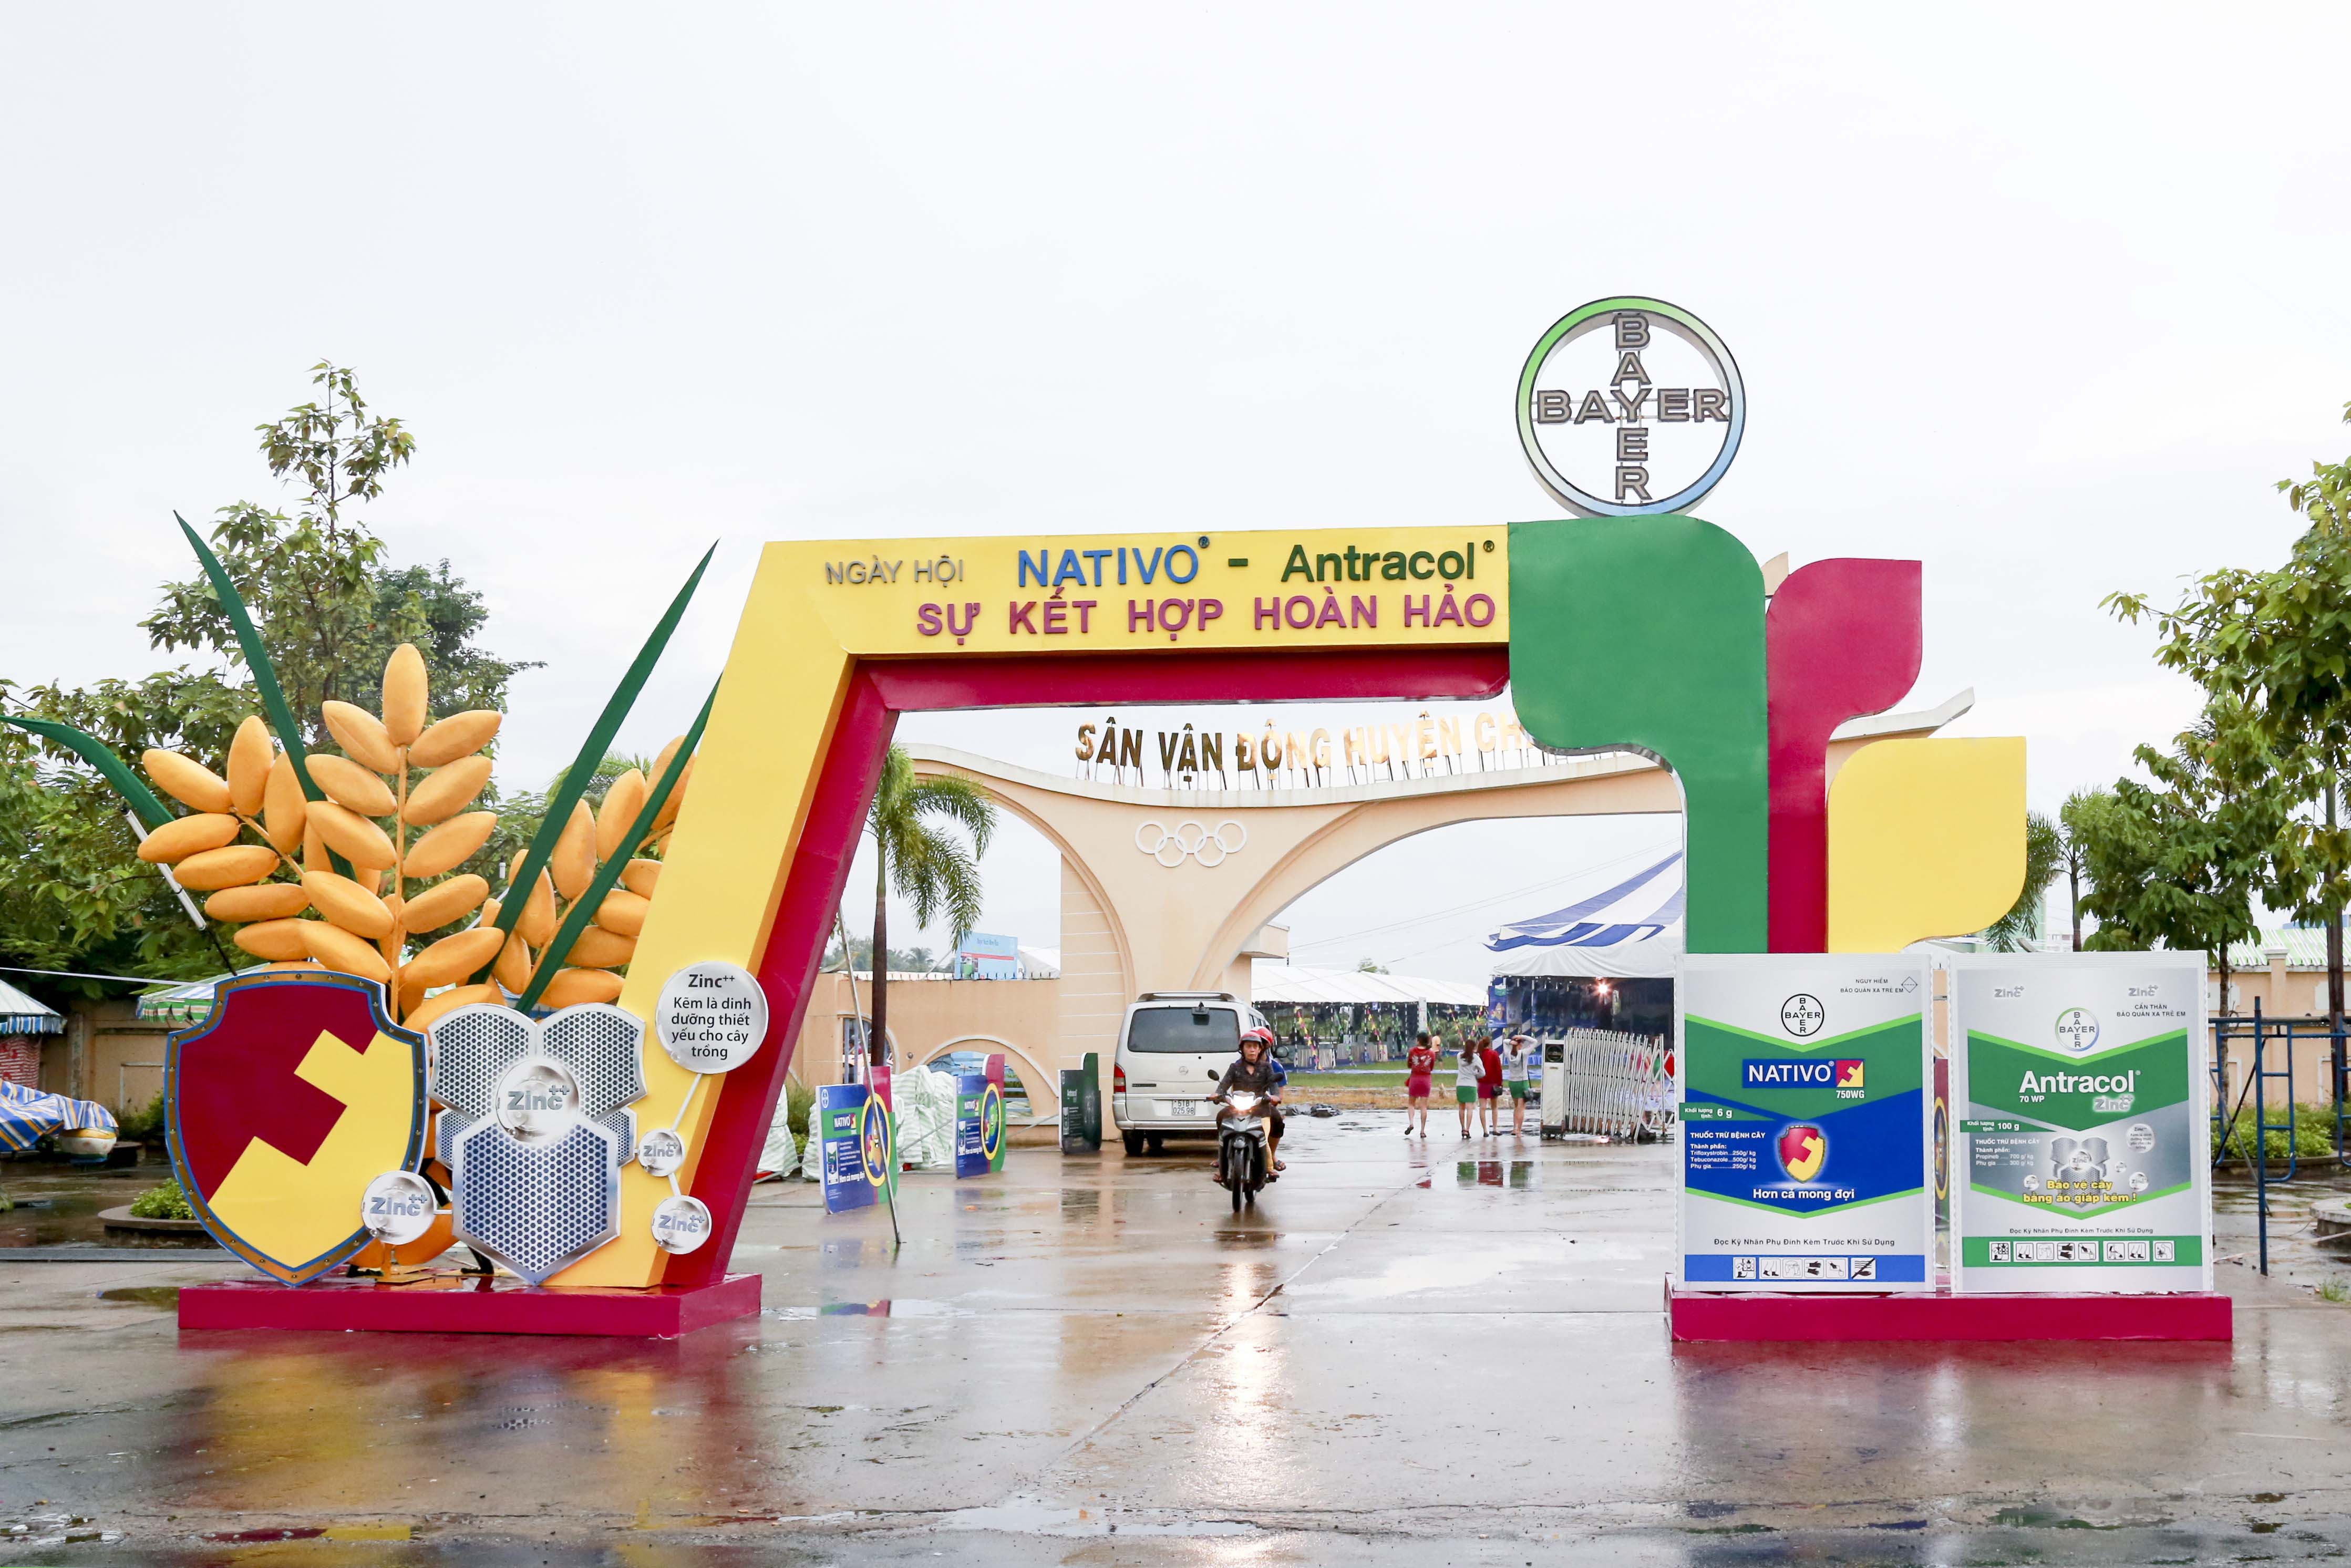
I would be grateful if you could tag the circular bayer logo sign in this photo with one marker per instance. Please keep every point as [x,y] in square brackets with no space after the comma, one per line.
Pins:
[1803,1015]
[2077,1029]
[1630,406]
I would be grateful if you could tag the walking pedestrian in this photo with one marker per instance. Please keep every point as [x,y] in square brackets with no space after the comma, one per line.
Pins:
[1468,1072]
[1517,1053]
[1419,1063]
[1489,1084]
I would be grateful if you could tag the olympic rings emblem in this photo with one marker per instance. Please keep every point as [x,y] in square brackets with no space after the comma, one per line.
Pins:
[1190,839]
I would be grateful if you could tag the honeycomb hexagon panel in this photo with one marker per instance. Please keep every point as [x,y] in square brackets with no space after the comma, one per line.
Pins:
[537,1207]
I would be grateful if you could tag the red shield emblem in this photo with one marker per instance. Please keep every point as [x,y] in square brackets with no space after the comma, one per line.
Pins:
[1802,1148]
[295,1093]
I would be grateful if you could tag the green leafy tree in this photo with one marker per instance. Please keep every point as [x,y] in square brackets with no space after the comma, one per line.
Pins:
[2079,824]
[2044,847]
[74,894]
[918,854]
[330,607]
[920,960]
[2278,645]
[328,604]
[2179,863]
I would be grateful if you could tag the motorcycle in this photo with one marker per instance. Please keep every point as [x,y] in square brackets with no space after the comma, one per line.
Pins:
[1244,1153]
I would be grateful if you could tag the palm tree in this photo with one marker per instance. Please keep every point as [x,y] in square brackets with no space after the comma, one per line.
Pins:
[2044,849]
[929,866]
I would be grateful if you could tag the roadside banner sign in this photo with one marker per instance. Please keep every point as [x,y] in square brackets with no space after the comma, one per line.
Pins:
[979,1124]
[2081,1160]
[1806,1162]
[840,1126]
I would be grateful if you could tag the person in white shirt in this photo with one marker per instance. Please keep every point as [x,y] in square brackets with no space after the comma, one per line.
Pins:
[1518,1061]
[1466,1072]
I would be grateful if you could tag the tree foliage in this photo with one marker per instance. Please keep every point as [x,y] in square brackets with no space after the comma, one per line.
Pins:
[2044,844]
[2086,820]
[918,855]
[329,602]
[330,607]
[2179,863]
[2276,645]
[74,893]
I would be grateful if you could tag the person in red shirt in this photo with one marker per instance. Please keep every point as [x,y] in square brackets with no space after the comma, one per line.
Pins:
[1419,1063]
[1489,1087]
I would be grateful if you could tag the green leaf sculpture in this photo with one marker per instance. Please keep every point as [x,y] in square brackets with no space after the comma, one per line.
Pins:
[265,674]
[584,908]
[591,751]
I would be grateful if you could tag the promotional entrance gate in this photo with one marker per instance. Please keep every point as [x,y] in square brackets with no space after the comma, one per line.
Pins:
[1651,634]
[1642,629]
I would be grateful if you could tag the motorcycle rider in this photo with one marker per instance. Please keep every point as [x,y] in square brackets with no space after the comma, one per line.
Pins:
[1254,1072]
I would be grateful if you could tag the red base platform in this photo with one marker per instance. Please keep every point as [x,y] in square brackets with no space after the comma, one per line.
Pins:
[455,1304]
[1755,1317]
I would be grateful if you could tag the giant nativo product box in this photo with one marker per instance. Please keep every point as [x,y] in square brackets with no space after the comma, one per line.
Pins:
[2081,1157]
[1806,1161]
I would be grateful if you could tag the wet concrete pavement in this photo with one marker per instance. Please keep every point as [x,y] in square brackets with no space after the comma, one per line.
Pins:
[1452,1354]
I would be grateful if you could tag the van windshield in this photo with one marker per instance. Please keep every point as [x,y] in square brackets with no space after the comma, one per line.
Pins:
[1209,1031]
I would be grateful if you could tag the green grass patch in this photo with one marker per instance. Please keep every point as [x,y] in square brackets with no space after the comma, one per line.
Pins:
[1352,1078]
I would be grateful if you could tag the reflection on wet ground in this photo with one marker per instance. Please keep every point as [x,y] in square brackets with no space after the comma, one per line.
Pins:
[1406,1353]
[2298,1256]
[58,1205]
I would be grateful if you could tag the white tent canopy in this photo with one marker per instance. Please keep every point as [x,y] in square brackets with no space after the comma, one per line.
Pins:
[21,1014]
[1289,984]
[1631,930]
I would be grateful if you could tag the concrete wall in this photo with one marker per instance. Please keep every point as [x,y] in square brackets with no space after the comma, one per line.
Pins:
[1097,979]
[929,1017]
[106,1054]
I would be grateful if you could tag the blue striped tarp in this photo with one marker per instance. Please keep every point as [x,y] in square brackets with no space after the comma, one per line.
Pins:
[28,1115]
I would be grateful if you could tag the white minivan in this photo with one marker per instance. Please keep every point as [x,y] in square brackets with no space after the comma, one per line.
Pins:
[1172,1047]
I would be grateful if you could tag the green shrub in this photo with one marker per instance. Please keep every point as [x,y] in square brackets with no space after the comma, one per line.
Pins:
[144,1125]
[799,1101]
[2314,1133]
[164,1202]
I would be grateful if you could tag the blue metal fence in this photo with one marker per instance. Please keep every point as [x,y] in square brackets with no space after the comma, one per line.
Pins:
[2267,1047]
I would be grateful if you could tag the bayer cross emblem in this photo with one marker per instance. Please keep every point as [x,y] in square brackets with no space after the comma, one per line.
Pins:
[1802,1015]
[1630,406]
[2077,1029]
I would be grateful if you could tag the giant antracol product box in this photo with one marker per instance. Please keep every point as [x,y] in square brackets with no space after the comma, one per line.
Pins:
[1806,1163]
[2082,1155]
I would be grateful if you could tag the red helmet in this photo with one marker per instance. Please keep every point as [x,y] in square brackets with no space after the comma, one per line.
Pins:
[1264,1037]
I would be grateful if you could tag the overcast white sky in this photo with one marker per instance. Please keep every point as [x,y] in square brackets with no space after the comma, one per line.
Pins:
[2046,297]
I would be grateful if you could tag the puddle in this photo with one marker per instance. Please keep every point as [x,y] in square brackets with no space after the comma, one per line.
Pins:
[58,1205]
[144,1295]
